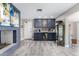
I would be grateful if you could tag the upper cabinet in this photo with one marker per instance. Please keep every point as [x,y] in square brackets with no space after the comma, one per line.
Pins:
[44,23]
[37,23]
[51,23]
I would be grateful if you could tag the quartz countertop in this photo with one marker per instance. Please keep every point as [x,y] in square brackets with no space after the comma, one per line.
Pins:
[44,32]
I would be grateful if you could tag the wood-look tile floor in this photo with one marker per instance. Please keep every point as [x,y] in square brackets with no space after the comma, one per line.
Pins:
[44,48]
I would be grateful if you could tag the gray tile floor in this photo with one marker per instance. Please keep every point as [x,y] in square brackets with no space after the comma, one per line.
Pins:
[44,48]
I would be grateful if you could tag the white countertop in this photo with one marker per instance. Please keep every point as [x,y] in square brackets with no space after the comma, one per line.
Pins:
[44,32]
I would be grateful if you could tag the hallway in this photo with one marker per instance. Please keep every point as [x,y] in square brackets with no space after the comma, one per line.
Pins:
[43,48]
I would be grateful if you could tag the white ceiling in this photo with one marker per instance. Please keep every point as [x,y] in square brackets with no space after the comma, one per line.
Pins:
[28,10]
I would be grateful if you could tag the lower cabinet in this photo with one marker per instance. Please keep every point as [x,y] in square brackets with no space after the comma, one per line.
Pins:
[38,36]
[52,36]
[42,36]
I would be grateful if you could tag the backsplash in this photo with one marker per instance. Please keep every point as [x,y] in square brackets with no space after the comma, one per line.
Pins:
[44,30]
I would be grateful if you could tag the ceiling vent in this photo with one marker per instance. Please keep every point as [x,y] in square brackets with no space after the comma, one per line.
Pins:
[39,10]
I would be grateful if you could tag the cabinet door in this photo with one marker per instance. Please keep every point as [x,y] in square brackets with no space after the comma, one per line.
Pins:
[40,36]
[36,36]
[37,23]
[52,36]
[51,23]
[60,33]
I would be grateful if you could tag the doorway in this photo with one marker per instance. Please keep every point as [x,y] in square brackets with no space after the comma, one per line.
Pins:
[74,34]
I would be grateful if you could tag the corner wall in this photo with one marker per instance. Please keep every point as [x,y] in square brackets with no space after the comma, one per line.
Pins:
[7,36]
[65,17]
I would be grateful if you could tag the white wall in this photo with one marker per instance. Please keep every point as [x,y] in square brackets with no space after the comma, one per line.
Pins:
[78,32]
[72,26]
[71,15]
[69,12]
[7,36]
[22,29]
[74,19]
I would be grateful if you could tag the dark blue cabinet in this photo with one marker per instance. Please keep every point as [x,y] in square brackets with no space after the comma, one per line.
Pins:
[48,23]
[37,23]
[52,36]
[38,36]
[41,36]
[51,23]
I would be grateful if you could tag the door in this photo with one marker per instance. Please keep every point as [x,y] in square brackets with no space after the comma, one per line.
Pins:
[78,33]
[28,29]
[73,34]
